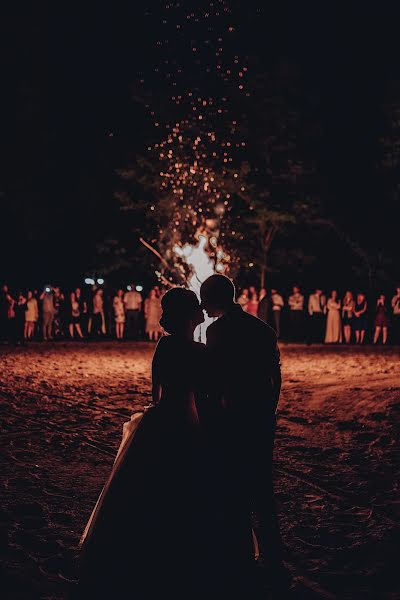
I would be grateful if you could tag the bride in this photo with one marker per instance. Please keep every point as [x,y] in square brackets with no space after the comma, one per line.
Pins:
[166,523]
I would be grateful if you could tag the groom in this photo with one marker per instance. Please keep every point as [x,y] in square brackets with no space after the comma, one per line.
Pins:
[246,359]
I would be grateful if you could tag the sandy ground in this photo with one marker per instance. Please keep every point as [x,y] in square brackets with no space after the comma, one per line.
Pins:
[337,461]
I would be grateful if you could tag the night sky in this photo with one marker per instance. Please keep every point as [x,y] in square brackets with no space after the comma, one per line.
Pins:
[69,121]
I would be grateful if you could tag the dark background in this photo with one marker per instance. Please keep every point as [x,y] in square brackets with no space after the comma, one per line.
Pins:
[69,122]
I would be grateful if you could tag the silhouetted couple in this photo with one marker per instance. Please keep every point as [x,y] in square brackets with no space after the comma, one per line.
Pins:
[174,518]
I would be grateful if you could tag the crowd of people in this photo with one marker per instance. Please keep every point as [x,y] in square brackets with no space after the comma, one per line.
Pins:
[326,318]
[93,313]
[80,314]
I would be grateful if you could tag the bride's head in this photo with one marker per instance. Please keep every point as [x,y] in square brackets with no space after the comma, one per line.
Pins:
[181,312]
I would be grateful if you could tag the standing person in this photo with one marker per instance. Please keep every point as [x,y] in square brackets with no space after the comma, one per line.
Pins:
[83,309]
[31,315]
[3,312]
[133,305]
[98,320]
[119,314]
[263,306]
[59,316]
[296,306]
[396,316]
[348,307]
[360,317]
[247,386]
[74,316]
[277,306]
[317,311]
[10,329]
[252,305]
[7,315]
[90,297]
[333,333]
[48,310]
[381,319]
[20,309]
[39,322]
[263,293]
[244,298]
[152,315]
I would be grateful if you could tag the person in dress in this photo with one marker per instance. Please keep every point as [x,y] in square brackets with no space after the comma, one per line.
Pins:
[360,317]
[333,333]
[296,306]
[252,305]
[31,315]
[152,315]
[381,320]
[348,306]
[119,314]
[74,317]
[317,312]
[244,298]
[277,306]
[48,310]
[159,528]
[396,316]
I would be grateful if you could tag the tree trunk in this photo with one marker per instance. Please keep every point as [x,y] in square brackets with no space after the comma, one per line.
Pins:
[263,276]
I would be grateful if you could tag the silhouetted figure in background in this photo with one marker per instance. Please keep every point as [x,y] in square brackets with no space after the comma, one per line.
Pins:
[381,320]
[133,305]
[252,305]
[296,305]
[348,306]
[316,311]
[247,387]
[74,316]
[20,309]
[360,317]
[277,304]
[48,310]
[7,314]
[98,317]
[263,308]
[396,316]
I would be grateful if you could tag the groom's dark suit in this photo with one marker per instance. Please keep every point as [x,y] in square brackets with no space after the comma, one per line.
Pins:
[246,361]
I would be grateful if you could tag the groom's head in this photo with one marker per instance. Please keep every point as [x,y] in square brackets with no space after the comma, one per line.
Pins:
[217,295]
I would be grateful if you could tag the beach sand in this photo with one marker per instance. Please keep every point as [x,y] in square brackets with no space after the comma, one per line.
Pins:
[337,461]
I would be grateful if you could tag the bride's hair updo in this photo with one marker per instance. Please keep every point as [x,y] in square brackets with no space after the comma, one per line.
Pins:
[180,306]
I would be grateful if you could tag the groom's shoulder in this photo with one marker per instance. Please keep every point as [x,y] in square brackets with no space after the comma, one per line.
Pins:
[216,325]
[260,328]
[216,329]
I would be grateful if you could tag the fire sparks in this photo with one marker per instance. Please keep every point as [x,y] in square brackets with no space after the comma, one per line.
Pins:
[199,144]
